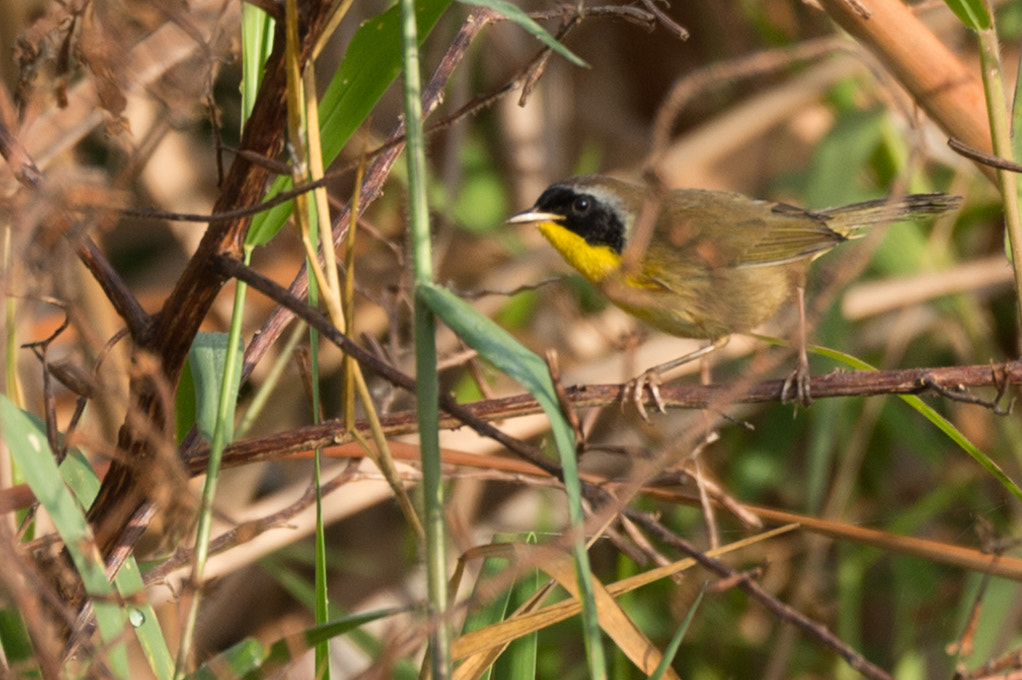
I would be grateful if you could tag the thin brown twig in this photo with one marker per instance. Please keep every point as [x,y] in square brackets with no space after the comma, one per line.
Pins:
[41,350]
[1005,667]
[837,384]
[480,293]
[956,393]
[396,140]
[569,413]
[707,507]
[116,290]
[629,13]
[670,24]
[32,594]
[24,168]
[534,71]
[983,157]
[813,628]
[727,583]
[316,319]
[249,530]
[697,82]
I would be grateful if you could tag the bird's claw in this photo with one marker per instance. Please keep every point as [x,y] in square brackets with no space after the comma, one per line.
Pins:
[634,392]
[797,387]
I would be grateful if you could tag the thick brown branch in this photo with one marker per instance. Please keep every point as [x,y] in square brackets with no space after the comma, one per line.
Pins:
[130,479]
[951,94]
[121,500]
[377,173]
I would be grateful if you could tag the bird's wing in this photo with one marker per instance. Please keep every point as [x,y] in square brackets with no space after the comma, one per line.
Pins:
[785,234]
[723,229]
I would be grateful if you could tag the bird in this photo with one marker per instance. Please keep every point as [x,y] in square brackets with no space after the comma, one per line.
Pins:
[703,264]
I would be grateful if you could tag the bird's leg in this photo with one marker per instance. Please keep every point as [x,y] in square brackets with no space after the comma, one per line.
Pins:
[651,378]
[799,380]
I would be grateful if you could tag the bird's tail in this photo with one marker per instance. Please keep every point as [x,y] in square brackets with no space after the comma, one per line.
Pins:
[848,220]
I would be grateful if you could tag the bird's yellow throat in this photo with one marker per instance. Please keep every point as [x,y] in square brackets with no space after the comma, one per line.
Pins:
[595,263]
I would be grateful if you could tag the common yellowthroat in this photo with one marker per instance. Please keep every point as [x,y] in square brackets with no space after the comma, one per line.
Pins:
[702,264]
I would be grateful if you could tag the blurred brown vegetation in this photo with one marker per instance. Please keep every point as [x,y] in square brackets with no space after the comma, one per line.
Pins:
[805,116]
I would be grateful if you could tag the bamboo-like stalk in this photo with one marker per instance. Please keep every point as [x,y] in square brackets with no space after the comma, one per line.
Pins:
[1000,128]
[940,84]
[427,381]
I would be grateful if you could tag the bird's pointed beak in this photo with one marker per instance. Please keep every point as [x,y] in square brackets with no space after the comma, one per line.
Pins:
[532,215]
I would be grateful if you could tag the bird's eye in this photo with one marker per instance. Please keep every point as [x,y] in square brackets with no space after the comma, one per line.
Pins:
[581,205]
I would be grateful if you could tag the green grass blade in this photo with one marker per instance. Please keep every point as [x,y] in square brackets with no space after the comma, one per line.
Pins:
[679,635]
[498,347]
[82,479]
[16,643]
[256,45]
[519,659]
[220,360]
[370,65]
[321,606]
[942,423]
[253,659]
[972,13]
[295,581]
[31,452]
[514,13]
[142,618]
[206,361]
[427,385]
[518,662]
[184,403]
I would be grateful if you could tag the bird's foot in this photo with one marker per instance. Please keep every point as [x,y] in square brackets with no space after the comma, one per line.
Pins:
[796,387]
[636,387]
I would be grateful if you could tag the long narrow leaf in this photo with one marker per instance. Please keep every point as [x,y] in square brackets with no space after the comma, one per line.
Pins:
[942,423]
[514,13]
[498,347]
[256,45]
[82,479]
[206,360]
[253,659]
[370,65]
[30,450]
[679,635]
[972,13]
[16,643]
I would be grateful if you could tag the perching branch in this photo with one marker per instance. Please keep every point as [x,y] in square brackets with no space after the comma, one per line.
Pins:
[951,381]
